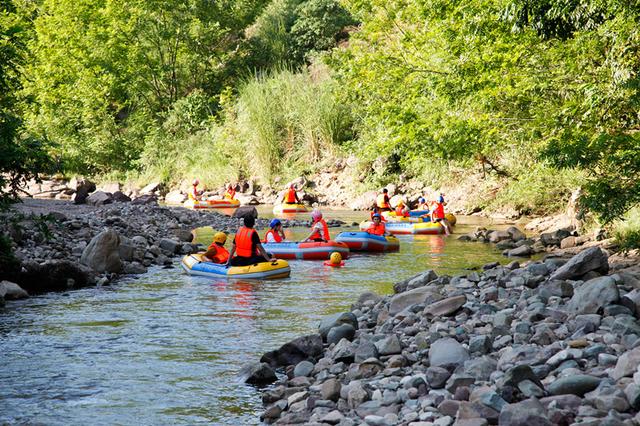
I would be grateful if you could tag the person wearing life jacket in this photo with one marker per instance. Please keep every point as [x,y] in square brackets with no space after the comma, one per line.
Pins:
[376,211]
[422,204]
[216,252]
[401,209]
[194,194]
[382,201]
[319,228]
[247,248]
[275,234]
[230,193]
[291,196]
[437,214]
[377,227]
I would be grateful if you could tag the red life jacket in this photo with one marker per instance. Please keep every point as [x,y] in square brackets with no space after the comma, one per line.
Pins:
[244,244]
[290,196]
[276,236]
[438,212]
[400,212]
[217,254]
[231,193]
[376,229]
[325,230]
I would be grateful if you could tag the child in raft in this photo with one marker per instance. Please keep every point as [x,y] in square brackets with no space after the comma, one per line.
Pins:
[319,228]
[216,252]
[377,227]
[195,194]
[230,193]
[275,234]
[401,209]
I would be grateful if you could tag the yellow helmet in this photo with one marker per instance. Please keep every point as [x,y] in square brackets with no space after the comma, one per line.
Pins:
[335,258]
[220,237]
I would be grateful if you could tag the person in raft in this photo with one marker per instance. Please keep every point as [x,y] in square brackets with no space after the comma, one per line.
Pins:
[230,193]
[377,227]
[382,202]
[319,228]
[422,204]
[291,196]
[247,248]
[437,214]
[216,252]
[401,209]
[275,234]
[194,194]
[376,211]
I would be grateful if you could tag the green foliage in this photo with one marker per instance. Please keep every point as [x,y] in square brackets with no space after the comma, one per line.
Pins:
[627,230]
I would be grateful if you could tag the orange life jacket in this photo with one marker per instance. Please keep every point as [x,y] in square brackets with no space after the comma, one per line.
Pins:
[217,254]
[400,212]
[290,196]
[244,244]
[276,236]
[383,201]
[231,193]
[378,229]
[325,230]
[438,212]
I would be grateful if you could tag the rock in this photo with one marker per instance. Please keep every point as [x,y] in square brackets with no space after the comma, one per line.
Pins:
[632,301]
[578,384]
[497,236]
[437,377]
[54,275]
[143,200]
[627,364]
[343,331]
[99,198]
[134,268]
[169,245]
[335,320]
[516,234]
[150,188]
[175,197]
[591,259]
[293,352]
[593,295]
[12,291]
[183,235]
[529,412]
[102,252]
[568,242]
[245,211]
[120,197]
[447,351]
[513,376]
[401,301]
[333,418]
[303,368]
[257,373]
[446,306]
[330,390]
[365,350]
[83,189]
[389,345]
[522,251]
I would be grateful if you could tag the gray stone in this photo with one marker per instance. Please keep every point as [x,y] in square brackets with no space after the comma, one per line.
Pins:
[335,320]
[593,295]
[515,375]
[330,390]
[591,259]
[522,251]
[389,345]
[303,368]
[446,306]
[293,352]
[493,400]
[480,344]
[343,331]
[257,373]
[577,384]
[365,350]
[459,380]
[99,198]
[102,253]
[143,200]
[437,377]
[529,389]
[447,351]
[627,364]
[245,211]
[529,412]
[516,234]
[12,291]
[169,245]
[401,301]
[333,418]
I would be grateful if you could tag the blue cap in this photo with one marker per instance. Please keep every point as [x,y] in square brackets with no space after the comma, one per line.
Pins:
[376,215]
[421,200]
[274,223]
[441,199]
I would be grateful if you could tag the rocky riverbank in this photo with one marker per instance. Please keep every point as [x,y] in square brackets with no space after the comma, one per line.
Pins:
[60,245]
[555,341]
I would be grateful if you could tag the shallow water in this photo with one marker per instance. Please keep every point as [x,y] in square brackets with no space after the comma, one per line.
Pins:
[166,348]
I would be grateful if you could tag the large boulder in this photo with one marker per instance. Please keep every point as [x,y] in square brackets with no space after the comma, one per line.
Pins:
[593,295]
[175,197]
[257,373]
[245,211]
[99,198]
[401,301]
[447,351]
[82,190]
[54,275]
[12,291]
[336,320]
[147,199]
[591,259]
[291,353]
[120,197]
[102,253]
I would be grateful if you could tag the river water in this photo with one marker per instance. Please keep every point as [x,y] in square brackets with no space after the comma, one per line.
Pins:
[166,348]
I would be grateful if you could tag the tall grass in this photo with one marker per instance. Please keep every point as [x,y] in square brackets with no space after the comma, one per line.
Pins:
[627,230]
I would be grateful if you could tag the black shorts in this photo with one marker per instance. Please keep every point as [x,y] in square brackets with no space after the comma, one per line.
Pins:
[438,220]
[246,261]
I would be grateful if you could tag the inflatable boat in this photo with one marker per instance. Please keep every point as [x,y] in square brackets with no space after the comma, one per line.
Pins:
[364,241]
[289,208]
[306,251]
[194,265]
[408,228]
[224,203]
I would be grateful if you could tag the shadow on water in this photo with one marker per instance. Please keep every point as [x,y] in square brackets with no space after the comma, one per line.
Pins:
[166,348]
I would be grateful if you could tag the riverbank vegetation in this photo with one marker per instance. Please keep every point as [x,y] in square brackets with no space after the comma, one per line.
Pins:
[530,98]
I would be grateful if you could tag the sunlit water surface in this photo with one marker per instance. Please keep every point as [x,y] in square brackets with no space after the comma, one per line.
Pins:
[166,348]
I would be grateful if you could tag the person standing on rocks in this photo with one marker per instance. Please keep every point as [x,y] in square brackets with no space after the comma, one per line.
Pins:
[319,228]
[291,196]
[247,248]
[275,234]
[216,252]
[383,202]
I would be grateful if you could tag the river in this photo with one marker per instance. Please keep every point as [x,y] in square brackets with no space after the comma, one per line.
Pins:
[166,348]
